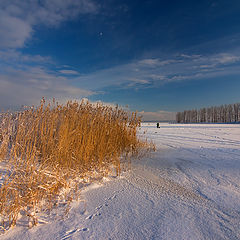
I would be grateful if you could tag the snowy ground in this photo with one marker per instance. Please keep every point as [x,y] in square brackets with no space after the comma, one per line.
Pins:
[188,189]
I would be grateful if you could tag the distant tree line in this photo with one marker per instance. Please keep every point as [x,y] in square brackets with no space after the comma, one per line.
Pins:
[222,114]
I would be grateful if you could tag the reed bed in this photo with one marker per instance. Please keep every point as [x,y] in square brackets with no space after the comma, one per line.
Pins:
[53,148]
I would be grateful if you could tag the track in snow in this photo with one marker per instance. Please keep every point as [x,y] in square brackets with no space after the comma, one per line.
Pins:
[188,189]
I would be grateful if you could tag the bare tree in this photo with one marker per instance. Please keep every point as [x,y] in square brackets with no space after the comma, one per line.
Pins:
[221,114]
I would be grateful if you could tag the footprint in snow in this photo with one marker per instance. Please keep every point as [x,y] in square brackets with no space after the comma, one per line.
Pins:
[70,233]
[97,213]
[93,215]
[111,198]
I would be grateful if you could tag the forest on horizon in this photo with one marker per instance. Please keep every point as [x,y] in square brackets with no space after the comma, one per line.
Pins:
[228,113]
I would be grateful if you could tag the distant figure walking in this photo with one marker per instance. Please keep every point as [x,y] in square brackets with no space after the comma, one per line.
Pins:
[158,125]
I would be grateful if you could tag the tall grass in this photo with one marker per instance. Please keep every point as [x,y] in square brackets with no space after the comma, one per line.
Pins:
[53,147]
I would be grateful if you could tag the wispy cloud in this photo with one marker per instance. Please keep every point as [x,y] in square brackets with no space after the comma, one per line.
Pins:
[154,62]
[18,18]
[13,56]
[24,79]
[69,72]
[28,86]
[149,72]
[225,58]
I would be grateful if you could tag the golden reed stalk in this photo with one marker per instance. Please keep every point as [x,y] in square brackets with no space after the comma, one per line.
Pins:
[49,147]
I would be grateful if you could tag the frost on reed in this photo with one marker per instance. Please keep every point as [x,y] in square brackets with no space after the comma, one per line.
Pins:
[55,147]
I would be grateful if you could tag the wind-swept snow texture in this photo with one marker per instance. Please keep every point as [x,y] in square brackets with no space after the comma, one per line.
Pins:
[188,189]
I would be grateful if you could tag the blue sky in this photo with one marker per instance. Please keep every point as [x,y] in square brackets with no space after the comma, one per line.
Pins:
[155,56]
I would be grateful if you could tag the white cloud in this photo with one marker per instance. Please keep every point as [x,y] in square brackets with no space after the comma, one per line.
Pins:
[13,31]
[28,86]
[148,72]
[25,79]
[18,18]
[193,56]
[154,62]
[225,58]
[139,81]
[12,56]
[157,77]
[69,72]
[149,62]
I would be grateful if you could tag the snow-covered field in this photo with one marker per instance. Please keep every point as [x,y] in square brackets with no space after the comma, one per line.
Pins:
[188,189]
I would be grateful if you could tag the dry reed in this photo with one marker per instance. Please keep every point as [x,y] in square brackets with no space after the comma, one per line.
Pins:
[53,147]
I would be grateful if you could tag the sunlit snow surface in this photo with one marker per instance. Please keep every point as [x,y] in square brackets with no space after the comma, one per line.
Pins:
[188,189]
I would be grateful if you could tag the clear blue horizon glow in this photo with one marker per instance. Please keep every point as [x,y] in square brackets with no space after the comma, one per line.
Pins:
[156,56]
